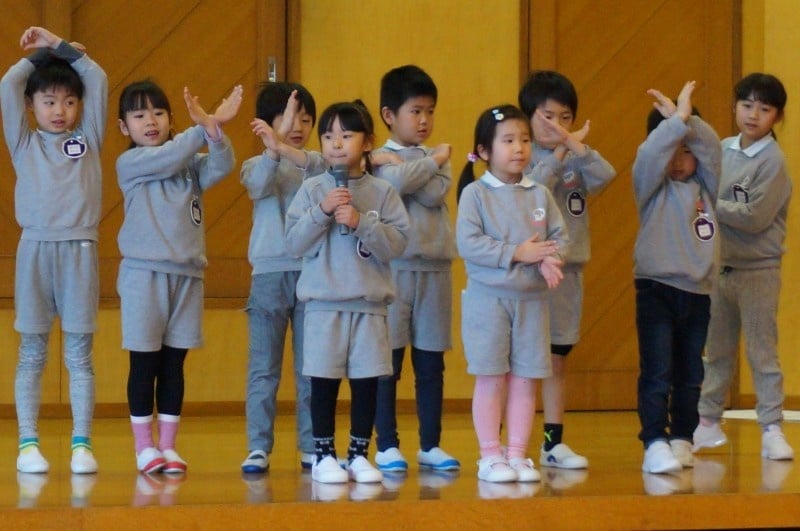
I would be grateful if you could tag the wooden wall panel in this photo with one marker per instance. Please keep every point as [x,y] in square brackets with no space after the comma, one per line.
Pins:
[614,51]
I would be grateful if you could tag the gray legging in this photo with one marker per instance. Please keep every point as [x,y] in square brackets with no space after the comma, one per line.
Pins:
[28,383]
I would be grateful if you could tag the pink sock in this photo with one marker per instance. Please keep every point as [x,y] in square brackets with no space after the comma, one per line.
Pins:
[167,431]
[486,413]
[520,410]
[142,432]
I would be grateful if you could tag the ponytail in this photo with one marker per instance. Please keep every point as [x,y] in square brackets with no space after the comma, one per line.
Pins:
[467,176]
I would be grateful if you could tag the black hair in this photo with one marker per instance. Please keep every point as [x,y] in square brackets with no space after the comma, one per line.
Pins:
[655,117]
[353,116]
[765,88]
[400,84]
[543,85]
[54,73]
[135,97]
[272,98]
[485,131]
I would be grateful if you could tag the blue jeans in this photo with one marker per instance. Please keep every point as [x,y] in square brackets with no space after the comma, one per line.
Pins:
[429,387]
[672,326]
[270,308]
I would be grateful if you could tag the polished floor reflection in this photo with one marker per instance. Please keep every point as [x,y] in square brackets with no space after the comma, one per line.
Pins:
[215,446]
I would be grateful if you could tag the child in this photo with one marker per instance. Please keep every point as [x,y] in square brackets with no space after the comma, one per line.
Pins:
[509,232]
[675,178]
[420,313]
[58,200]
[271,183]
[346,235]
[162,243]
[754,196]
[572,171]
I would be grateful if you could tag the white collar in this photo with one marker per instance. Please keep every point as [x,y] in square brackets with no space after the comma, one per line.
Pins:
[494,182]
[395,146]
[753,149]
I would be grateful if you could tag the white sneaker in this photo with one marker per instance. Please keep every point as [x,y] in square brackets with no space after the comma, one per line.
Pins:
[256,462]
[437,459]
[774,445]
[150,461]
[495,469]
[174,463]
[682,450]
[526,473]
[391,460]
[361,470]
[562,456]
[658,459]
[328,471]
[83,461]
[31,461]
[708,436]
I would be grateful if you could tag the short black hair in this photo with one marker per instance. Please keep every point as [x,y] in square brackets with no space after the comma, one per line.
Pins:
[134,97]
[543,85]
[765,88]
[272,98]
[655,117]
[53,73]
[400,84]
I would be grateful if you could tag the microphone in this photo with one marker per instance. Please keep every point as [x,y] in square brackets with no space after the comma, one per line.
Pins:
[341,175]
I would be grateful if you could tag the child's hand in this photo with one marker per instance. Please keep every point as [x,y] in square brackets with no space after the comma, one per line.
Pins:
[198,114]
[288,116]
[266,133]
[441,154]
[334,199]
[572,141]
[384,157]
[684,109]
[532,250]
[229,107]
[663,104]
[550,268]
[36,37]
[347,215]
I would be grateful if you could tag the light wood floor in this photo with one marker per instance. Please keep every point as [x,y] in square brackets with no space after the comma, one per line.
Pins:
[731,486]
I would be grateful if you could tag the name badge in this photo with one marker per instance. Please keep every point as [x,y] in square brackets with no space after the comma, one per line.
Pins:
[73,148]
[740,194]
[703,228]
[576,204]
[195,211]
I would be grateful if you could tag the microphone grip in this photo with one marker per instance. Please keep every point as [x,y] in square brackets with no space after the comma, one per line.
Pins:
[340,176]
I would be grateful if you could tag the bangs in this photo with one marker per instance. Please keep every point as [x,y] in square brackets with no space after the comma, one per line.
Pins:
[136,96]
[351,118]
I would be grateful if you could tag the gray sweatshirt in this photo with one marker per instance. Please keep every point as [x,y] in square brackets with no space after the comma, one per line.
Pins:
[163,190]
[493,218]
[56,198]
[423,186]
[272,185]
[571,181]
[667,248]
[754,195]
[347,272]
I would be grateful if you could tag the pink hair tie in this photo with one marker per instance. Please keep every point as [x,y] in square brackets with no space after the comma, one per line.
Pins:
[472,157]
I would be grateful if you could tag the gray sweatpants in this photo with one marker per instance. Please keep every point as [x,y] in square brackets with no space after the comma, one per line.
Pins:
[28,382]
[744,301]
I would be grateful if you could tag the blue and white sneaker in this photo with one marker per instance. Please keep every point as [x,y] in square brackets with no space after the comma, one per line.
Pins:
[437,459]
[257,462]
[391,460]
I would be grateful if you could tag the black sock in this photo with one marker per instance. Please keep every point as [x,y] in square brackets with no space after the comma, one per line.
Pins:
[552,435]
[323,446]
[358,446]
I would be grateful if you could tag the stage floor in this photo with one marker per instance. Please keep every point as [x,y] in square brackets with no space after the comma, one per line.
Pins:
[215,446]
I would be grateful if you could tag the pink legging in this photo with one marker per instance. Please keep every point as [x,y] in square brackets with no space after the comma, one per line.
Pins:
[487,411]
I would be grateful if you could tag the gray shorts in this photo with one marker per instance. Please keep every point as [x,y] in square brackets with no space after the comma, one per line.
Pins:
[345,344]
[566,305]
[505,335]
[159,309]
[56,279]
[421,313]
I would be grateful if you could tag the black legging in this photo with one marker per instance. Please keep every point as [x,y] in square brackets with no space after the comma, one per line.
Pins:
[324,393]
[156,375]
